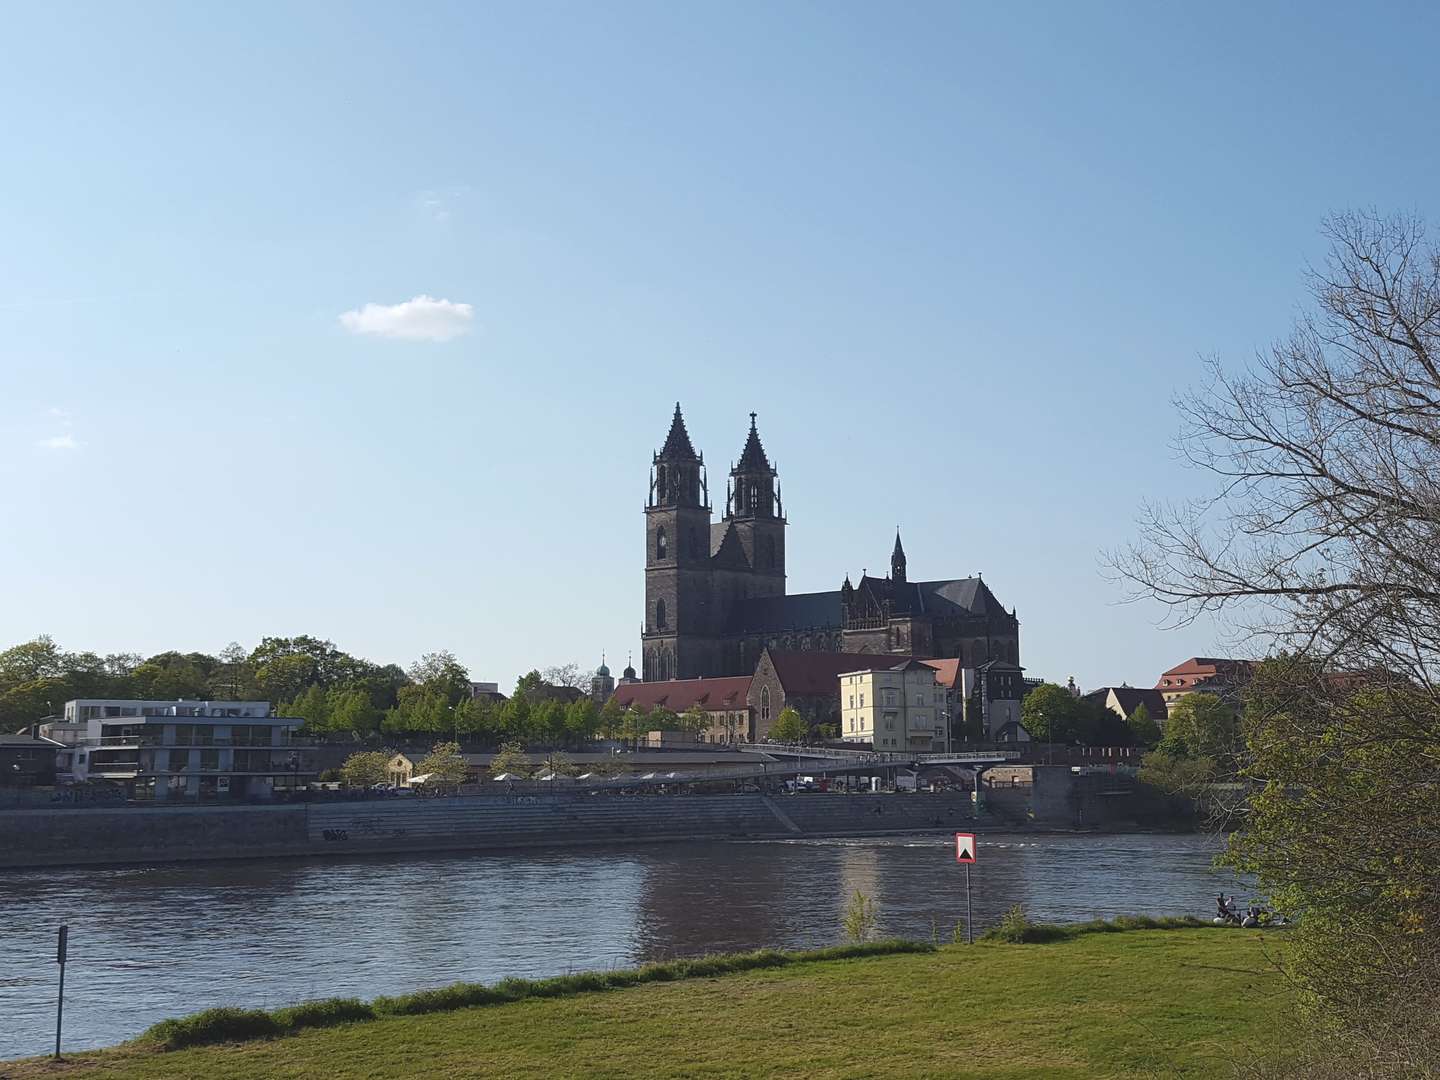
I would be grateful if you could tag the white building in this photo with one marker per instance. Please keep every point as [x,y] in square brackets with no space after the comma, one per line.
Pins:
[183,749]
[894,709]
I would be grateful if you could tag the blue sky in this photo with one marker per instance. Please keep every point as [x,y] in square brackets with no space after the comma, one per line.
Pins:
[958,257]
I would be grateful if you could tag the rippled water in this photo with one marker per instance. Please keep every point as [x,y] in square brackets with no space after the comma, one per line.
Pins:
[152,942]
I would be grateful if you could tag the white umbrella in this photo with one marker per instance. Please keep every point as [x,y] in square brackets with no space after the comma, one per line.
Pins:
[508,776]
[421,778]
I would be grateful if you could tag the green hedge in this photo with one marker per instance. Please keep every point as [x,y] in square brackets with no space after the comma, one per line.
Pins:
[240,1025]
[1016,929]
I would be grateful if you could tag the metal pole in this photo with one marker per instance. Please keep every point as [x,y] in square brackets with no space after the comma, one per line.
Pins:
[60,950]
[969,910]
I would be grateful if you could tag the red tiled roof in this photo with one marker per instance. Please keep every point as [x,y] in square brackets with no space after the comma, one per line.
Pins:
[1199,669]
[947,672]
[677,695]
[819,672]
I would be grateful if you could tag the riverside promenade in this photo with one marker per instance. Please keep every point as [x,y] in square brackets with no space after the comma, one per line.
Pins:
[136,834]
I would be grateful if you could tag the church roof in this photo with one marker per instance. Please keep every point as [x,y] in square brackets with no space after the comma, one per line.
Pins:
[677,695]
[677,443]
[817,672]
[730,555]
[798,611]
[959,596]
[752,458]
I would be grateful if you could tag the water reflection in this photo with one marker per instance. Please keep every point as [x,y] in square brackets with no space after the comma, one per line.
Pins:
[150,942]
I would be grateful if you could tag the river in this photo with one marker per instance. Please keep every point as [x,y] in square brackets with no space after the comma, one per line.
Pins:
[147,942]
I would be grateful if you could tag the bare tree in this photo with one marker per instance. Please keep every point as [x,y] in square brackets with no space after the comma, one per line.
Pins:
[1324,533]
[1322,540]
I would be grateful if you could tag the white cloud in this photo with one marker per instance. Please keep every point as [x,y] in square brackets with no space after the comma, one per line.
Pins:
[57,413]
[59,442]
[420,319]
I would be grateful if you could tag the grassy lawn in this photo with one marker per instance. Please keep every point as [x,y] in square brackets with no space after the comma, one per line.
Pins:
[1145,1004]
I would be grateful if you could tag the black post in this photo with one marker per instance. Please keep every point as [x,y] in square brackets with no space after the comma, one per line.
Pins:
[60,947]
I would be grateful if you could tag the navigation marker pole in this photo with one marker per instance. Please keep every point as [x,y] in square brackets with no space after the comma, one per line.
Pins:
[965,854]
[60,947]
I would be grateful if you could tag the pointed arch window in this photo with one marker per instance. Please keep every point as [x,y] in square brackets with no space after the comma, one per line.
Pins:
[661,544]
[765,704]
[659,614]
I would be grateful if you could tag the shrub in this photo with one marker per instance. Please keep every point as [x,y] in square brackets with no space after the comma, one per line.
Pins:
[859,920]
[327,1012]
[214,1026]
[1016,929]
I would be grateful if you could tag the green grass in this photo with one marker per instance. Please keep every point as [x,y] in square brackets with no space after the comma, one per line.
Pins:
[1182,1002]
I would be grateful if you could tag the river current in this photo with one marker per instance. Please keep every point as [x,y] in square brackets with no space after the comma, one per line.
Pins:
[148,942]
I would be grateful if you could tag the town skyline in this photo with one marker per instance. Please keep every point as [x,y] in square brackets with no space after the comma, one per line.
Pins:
[312,353]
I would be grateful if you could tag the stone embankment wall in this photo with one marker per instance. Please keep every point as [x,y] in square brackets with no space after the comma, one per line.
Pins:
[487,822]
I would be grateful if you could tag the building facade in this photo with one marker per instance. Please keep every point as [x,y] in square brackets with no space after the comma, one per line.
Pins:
[715,596]
[189,749]
[900,708]
[725,703]
[1214,675]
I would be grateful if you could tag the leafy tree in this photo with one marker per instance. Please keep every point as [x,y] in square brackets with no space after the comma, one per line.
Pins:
[445,764]
[479,719]
[1176,772]
[284,667]
[37,659]
[612,720]
[789,727]
[1143,729]
[350,711]
[313,706]
[440,675]
[1204,724]
[511,759]
[173,675]
[366,767]
[547,723]
[582,721]
[693,722]
[559,763]
[528,684]
[1048,713]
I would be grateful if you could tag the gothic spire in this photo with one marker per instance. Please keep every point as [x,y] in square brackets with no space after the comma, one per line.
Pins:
[677,444]
[752,458]
[897,559]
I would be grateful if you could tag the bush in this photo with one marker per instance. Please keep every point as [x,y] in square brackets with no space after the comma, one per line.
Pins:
[1016,929]
[214,1026]
[327,1012]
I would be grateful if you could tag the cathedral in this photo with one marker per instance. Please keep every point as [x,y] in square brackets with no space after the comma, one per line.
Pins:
[715,594]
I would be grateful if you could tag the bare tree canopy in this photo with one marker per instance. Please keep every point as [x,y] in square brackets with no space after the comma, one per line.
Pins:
[1324,533]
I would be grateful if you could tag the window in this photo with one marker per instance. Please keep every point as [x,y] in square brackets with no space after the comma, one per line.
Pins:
[661,546]
[862,699]
[852,701]
[765,704]
[659,614]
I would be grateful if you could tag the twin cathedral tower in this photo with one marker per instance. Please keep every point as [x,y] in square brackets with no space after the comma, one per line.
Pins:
[715,591]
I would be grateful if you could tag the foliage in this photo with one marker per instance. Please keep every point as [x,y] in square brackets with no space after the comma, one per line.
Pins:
[789,727]
[1015,928]
[511,759]
[1143,729]
[693,722]
[1204,724]
[214,1026]
[327,1012]
[366,767]
[1342,831]
[860,918]
[558,763]
[1051,713]
[444,764]
[1175,772]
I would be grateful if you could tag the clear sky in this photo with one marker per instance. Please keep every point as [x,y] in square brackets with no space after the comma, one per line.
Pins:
[958,258]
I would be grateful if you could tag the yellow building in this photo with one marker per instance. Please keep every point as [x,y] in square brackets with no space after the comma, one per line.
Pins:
[894,709]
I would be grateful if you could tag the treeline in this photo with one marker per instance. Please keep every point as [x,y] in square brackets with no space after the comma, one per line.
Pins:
[339,696]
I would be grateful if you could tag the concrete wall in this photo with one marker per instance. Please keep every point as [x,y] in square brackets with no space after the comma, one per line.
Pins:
[49,837]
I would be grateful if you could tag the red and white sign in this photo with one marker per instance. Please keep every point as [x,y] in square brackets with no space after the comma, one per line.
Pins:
[965,847]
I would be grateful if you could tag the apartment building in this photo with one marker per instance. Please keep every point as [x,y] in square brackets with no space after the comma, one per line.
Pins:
[186,749]
[901,708]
